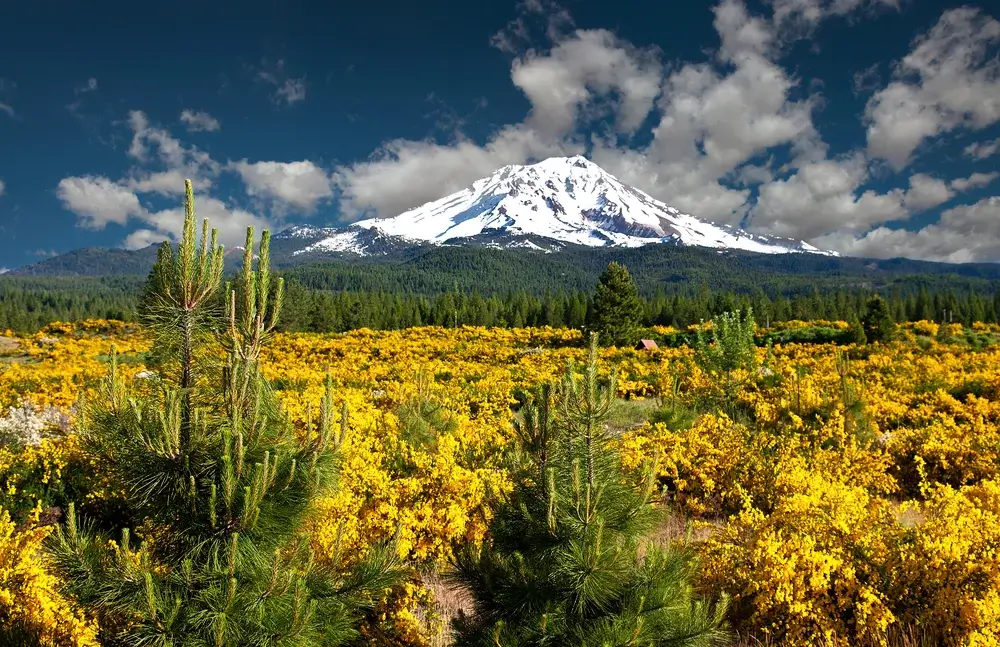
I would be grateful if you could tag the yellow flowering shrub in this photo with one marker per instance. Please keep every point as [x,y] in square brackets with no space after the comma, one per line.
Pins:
[802,477]
[31,608]
[809,572]
[947,570]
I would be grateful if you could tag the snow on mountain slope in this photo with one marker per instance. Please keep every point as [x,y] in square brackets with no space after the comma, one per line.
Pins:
[568,199]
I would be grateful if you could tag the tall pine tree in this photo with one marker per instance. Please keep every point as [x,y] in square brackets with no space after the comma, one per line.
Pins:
[617,312]
[568,563]
[218,482]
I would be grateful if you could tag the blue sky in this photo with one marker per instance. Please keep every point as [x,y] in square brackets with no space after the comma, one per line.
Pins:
[867,126]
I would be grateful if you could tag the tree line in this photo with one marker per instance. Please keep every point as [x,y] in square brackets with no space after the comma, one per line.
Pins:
[28,304]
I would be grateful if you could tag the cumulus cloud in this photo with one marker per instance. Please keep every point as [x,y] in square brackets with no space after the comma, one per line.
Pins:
[926,192]
[298,184]
[169,182]
[946,82]
[180,161]
[167,223]
[199,121]
[982,150]
[287,89]
[98,201]
[404,173]
[561,84]
[965,233]
[974,181]
[825,196]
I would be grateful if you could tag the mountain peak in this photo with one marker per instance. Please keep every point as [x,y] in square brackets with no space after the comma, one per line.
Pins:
[569,200]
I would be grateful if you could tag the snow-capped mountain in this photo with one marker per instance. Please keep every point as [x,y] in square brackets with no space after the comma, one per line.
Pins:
[558,201]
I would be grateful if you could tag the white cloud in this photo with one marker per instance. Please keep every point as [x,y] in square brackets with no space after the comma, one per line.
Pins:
[288,90]
[141,238]
[806,14]
[974,181]
[97,201]
[4,270]
[8,109]
[405,174]
[298,184]
[231,222]
[963,234]
[170,182]
[100,201]
[982,150]
[181,162]
[199,121]
[712,122]
[561,84]
[3,187]
[927,192]
[826,196]
[946,82]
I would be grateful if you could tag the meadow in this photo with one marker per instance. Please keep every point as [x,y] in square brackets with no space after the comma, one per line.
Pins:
[834,494]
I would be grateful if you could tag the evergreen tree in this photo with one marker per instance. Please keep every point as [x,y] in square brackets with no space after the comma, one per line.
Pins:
[218,483]
[568,563]
[857,332]
[878,322]
[617,311]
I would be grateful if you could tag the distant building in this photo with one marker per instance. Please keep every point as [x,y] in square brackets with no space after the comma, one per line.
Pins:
[647,344]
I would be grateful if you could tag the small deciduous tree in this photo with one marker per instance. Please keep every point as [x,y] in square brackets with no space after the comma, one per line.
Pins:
[729,352]
[568,562]
[617,310]
[218,482]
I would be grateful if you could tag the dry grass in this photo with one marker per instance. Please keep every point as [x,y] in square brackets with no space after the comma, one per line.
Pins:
[11,351]
[627,415]
[449,601]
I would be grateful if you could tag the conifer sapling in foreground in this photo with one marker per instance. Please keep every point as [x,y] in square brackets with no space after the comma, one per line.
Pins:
[569,562]
[218,482]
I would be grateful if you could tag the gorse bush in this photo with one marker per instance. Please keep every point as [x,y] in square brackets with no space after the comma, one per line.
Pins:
[217,480]
[568,561]
[32,610]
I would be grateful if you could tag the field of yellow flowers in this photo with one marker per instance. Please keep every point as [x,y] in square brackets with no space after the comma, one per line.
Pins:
[842,496]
